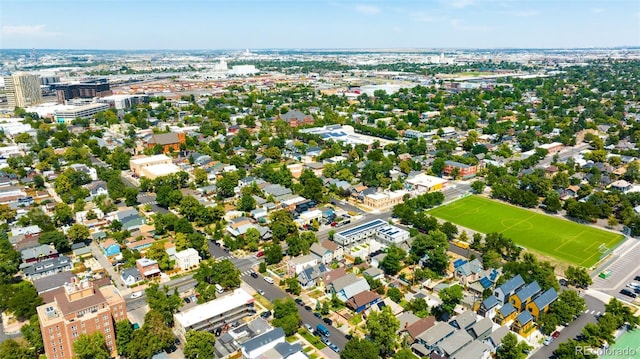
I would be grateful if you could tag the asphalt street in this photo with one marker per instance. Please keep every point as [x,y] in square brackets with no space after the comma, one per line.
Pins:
[273,292]
[594,308]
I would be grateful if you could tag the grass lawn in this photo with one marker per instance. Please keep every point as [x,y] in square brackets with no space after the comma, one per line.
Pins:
[312,339]
[555,237]
[263,301]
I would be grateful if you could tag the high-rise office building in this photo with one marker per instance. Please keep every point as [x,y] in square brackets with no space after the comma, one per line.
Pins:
[75,309]
[85,89]
[22,89]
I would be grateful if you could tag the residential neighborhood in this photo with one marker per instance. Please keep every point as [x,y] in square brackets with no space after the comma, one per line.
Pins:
[471,208]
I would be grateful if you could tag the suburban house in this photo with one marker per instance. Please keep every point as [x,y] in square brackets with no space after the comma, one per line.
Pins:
[488,307]
[464,320]
[81,250]
[484,280]
[308,276]
[505,314]
[418,327]
[326,279]
[148,268]
[187,259]
[323,254]
[453,344]
[97,188]
[481,329]
[508,288]
[474,350]
[363,301]
[168,141]
[297,264]
[348,286]
[542,302]
[110,248]
[432,337]
[467,272]
[38,253]
[523,324]
[47,267]
[336,250]
[254,348]
[130,276]
[524,295]
[494,340]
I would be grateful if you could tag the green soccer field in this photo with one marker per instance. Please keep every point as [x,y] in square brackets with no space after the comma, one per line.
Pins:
[558,238]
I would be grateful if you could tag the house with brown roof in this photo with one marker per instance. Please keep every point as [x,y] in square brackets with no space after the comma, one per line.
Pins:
[415,329]
[363,301]
[295,118]
[169,141]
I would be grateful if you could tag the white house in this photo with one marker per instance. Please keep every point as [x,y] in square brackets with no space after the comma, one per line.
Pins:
[296,265]
[187,258]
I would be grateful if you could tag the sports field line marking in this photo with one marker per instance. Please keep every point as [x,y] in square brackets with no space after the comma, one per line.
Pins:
[519,222]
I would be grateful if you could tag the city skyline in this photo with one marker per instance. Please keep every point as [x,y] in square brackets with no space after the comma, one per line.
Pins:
[196,24]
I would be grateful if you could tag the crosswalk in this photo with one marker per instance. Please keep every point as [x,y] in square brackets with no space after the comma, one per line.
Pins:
[247,272]
[225,257]
[593,312]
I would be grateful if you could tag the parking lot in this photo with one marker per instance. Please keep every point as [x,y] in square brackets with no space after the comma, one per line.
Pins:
[623,269]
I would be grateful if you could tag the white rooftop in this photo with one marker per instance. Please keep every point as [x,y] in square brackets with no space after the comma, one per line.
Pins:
[148,159]
[162,169]
[213,308]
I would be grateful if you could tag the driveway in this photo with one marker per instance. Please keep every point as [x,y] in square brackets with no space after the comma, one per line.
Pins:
[104,262]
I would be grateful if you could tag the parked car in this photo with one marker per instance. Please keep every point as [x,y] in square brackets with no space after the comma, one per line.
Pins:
[136,295]
[555,334]
[334,348]
[265,315]
[309,328]
[299,301]
[261,292]
[563,282]
[348,336]
[637,278]
[328,321]
[325,340]
[317,315]
[187,300]
[548,341]
[307,308]
[268,280]
[260,254]
[254,274]
[628,293]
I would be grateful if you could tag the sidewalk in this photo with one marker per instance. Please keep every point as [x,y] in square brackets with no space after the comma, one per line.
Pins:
[115,277]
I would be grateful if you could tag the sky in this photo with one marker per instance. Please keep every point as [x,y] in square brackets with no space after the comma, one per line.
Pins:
[317,24]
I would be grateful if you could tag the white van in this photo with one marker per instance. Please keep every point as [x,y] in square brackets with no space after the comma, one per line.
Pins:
[219,288]
[268,280]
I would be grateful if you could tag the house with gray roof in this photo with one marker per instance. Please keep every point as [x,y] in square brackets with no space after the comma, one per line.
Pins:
[524,295]
[454,343]
[53,281]
[38,253]
[475,350]
[488,307]
[347,286]
[254,348]
[508,288]
[481,329]
[464,320]
[494,340]
[542,302]
[130,276]
[277,191]
[308,276]
[47,267]
[324,254]
[468,271]
[433,336]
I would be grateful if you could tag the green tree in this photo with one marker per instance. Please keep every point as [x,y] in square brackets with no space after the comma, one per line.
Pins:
[62,214]
[478,186]
[286,316]
[124,333]
[450,296]
[199,344]
[32,334]
[20,298]
[293,286]
[246,203]
[404,353]
[382,327]
[357,348]
[273,253]
[58,239]
[163,303]
[552,202]
[91,346]
[78,233]
[392,262]
[158,253]
[578,277]
[16,349]
[212,272]
[511,349]
[394,294]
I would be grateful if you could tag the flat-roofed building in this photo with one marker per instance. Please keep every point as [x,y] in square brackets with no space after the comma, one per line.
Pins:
[384,200]
[423,183]
[138,163]
[376,229]
[69,113]
[214,314]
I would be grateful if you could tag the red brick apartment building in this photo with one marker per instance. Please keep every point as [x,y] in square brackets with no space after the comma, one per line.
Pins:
[75,309]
